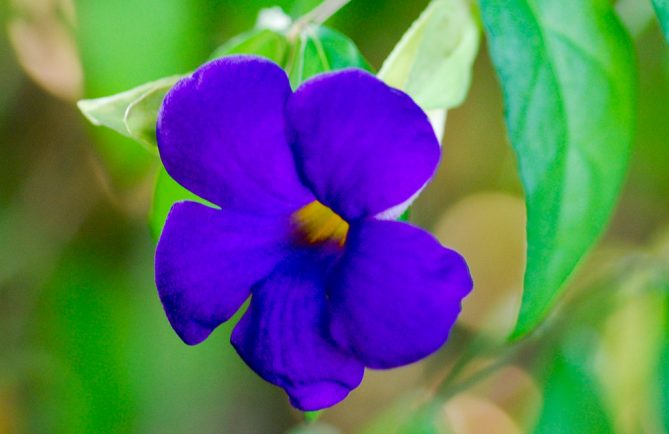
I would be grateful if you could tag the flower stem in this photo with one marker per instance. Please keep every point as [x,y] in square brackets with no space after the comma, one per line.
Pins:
[312,416]
[318,15]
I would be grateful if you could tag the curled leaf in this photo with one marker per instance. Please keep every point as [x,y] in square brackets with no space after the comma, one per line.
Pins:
[132,113]
[433,60]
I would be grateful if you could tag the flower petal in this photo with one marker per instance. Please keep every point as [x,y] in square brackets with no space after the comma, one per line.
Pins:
[206,262]
[222,135]
[361,146]
[284,337]
[395,294]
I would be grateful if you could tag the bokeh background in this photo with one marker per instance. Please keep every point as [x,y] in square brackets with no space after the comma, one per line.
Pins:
[86,348]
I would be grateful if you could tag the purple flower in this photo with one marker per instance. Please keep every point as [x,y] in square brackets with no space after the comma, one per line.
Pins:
[300,179]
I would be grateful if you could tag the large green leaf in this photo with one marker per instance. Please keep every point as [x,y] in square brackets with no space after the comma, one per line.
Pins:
[433,60]
[319,49]
[662,11]
[567,72]
[132,113]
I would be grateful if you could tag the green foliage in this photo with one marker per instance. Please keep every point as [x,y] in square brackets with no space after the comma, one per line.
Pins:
[662,10]
[314,428]
[319,49]
[312,416]
[571,402]
[261,42]
[663,385]
[84,337]
[433,60]
[132,113]
[314,49]
[428,419]
[567,72]
[167,192]
[125,43]
[407,417]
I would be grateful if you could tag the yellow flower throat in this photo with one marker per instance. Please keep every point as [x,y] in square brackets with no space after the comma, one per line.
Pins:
[316,223]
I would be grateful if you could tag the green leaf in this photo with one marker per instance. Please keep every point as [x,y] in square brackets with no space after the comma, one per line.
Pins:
[568,76]
[124,43]
[132,113]
[662,11]
[261,42]
[433,60]
[320,49]
[166,194]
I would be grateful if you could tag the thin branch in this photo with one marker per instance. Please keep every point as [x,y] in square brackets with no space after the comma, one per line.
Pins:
[318,15]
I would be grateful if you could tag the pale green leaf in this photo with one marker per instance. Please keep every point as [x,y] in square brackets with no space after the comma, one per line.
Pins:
[568,75]
[433,60]
[132,113]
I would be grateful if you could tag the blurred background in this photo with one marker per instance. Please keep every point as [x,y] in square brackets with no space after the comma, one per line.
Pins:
[85,346]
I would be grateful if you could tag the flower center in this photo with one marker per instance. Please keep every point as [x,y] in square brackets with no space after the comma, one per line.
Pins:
[317,224]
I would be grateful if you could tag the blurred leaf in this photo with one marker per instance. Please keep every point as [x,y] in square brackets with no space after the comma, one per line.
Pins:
[478,412]
[433,60]
[320,49]
[571,401]
[405,417]
[428,419]
[132,113]
[630,349]
[166,194]
[45,46]
[567,72]
[261,42]
[662,11]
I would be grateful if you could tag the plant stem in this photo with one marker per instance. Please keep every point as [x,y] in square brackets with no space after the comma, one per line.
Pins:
[326,9]
[318,15]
